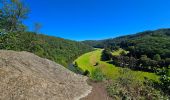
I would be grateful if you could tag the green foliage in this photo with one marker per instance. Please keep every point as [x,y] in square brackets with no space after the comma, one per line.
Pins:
[75,69]
[149,50]
[165,80]
[167,61]
[97,63]
[57,49]
[86,73]
[12,13]
[148,64]
[97,75]
[93,43]
[75,65]
[87,62]
[157,57]
[150,43]
[123,53]
[126,88]
[106,54]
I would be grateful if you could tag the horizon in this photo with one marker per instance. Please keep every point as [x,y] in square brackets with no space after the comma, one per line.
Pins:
[97,20]
[104,38]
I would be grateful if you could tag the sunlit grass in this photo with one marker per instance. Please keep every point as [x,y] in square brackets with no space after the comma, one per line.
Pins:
[89,60]
[116,53]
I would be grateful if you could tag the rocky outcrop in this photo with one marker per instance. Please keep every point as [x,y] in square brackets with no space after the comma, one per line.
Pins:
[25,76]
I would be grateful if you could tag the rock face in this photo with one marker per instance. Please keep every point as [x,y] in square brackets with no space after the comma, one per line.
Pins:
[25,76]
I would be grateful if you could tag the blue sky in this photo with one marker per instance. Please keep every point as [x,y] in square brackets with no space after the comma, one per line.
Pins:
[98,19]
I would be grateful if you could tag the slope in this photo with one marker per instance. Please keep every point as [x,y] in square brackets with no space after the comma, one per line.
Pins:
[59,50]
[25,76]
[148,42]
[88,61]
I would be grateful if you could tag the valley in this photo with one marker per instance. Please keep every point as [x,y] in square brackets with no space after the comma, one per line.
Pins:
[86,50]
[105,76]
[88,61]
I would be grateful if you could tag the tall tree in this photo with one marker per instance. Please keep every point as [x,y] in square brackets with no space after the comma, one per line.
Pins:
[37,27]
[157,57]
[13,12]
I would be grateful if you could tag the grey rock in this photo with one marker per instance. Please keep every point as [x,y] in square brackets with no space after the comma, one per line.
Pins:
[25,76]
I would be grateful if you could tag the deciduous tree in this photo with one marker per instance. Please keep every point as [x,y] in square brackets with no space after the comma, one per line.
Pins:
[13,12]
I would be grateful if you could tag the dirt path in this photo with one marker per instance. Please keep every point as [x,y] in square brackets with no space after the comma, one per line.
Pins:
[98,92]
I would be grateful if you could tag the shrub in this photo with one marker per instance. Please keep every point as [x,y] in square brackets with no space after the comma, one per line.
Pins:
[86,73]
[165,80]
[97,75]
[97,63]
[126,87]
[76,64]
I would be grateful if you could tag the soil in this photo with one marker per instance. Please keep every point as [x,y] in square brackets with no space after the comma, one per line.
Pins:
[98,92]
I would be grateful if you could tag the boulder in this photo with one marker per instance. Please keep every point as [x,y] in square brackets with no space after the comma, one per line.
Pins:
[25,76]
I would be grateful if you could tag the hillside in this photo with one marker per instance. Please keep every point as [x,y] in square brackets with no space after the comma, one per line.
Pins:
[116,81]
[146,52]
[89,60]
[159,39]
[152,48]
[25,76]
[59,50]
[35,66]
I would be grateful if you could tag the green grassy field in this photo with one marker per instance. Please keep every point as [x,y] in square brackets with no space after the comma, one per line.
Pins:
[116,53]
[89,60]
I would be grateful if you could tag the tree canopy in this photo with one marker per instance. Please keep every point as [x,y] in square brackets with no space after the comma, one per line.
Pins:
[57,49]
[13,12]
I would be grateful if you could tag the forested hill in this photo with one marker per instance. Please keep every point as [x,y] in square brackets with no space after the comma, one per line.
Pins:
[150,49]
[147,51]
[159,34]
[57,49]
[150,44]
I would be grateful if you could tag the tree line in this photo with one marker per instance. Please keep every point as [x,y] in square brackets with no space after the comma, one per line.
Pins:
[147,51]
[155,65]
[14,36]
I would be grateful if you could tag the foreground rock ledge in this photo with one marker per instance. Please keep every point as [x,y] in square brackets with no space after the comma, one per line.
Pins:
[25,76]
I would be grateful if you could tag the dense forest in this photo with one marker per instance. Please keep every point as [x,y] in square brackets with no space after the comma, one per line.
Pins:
[146,51]
[57,49]
[14,36]
[150,48]
[158,34]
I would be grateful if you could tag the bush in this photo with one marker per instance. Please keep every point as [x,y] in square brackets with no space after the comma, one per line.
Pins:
[86,73]
[76,64]
[164,80]
[106,55]
[97,75]
[126,87]
[57,49]
[97,63]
